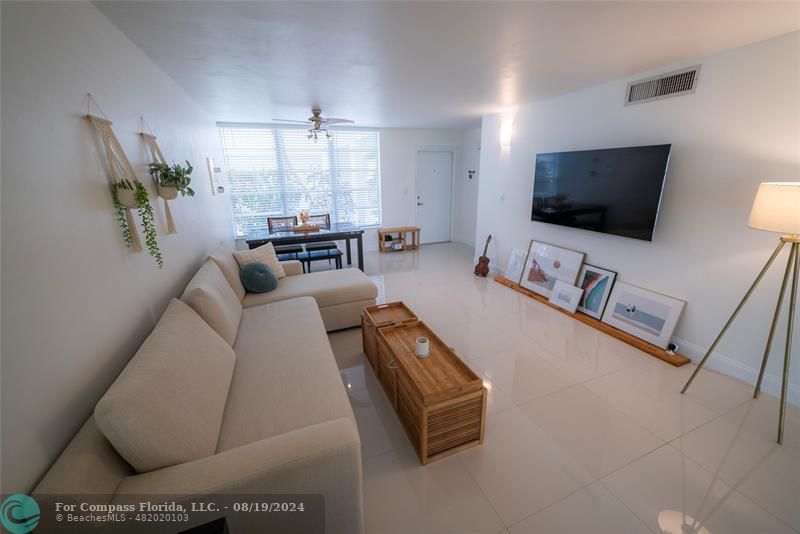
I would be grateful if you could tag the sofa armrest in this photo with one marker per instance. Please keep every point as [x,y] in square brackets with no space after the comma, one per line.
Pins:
[292,267]
[319,459]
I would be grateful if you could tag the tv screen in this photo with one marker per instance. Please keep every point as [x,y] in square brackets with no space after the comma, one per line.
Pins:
[614,191]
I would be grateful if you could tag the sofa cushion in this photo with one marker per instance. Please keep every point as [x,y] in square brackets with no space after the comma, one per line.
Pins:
[166,406]
[210,295]
[327,287]
[285,378]
[265,254]
[223,257]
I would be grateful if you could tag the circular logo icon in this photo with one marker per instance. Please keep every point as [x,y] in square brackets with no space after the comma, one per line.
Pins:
[20,514]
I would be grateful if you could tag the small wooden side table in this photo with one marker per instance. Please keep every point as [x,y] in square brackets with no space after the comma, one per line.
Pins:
[401,232]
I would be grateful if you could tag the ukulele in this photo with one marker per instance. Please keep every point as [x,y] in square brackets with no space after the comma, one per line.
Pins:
[482,268]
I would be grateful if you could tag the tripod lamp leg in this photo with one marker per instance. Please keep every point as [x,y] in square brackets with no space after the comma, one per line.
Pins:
[789,264]
[733,316]
[789,328]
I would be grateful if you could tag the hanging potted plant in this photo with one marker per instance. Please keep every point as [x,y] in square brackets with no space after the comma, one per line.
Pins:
[171,180]
[133,195]
[124,193]
[124,197]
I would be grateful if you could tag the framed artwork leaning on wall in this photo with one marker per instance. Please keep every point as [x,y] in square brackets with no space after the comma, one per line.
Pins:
[547,263]
[643,313]
[565,296]
[516,265]
[596,283]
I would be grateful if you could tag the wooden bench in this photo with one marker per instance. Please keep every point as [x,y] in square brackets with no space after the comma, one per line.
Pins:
[401,232]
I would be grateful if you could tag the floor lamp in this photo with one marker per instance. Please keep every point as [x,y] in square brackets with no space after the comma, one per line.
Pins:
[776,208]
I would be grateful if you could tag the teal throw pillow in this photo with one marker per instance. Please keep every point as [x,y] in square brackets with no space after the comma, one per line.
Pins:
[257,277]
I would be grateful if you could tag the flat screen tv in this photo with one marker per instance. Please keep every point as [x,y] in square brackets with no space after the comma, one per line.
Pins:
[615,191]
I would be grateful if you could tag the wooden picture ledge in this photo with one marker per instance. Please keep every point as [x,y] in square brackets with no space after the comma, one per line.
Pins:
[673,359]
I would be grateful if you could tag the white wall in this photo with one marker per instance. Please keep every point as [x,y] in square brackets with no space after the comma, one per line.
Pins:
[399,147]
[465,192]
[76,302]
[740,128]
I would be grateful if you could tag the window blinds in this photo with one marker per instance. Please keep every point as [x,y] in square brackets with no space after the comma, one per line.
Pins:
[277,171]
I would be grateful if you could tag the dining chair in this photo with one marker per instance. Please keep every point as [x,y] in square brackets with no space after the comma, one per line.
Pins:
[323,220]
[284,224]
[281,224]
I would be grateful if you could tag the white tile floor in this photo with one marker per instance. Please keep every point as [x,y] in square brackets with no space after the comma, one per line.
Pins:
[584,433]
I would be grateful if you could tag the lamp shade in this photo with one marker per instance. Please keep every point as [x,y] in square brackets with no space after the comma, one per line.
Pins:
[777,207]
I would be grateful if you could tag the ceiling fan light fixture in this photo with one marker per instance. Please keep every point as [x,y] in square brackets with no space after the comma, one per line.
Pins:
[318,123]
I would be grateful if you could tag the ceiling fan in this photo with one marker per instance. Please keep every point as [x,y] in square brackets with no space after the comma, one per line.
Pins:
[319,124]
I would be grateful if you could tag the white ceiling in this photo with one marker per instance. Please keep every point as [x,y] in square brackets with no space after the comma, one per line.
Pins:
[423,64]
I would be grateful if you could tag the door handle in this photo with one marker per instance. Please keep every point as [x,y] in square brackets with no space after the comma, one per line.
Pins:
[419,203]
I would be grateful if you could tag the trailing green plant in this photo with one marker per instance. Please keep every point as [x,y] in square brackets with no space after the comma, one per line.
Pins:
[175,176]
[123,224]
[145,211]
[148,224]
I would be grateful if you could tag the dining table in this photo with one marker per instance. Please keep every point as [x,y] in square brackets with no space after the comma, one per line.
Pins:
[337,232]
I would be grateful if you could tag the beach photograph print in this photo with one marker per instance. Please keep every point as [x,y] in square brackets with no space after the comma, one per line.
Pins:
[645,314]
[516,265]
[596,283]
[548,263]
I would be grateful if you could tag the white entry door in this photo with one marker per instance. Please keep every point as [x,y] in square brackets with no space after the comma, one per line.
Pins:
[434,194]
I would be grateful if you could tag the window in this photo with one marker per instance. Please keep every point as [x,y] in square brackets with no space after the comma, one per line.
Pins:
[276,171]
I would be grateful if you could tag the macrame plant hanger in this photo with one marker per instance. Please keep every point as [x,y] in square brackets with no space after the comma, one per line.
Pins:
[118,166]
[158,157]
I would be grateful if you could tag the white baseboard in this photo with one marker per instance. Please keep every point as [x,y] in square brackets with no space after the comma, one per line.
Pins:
[728,366]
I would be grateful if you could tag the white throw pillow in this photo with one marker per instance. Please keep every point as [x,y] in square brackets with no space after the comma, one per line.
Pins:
[210,295]
[166,406]
[264,254]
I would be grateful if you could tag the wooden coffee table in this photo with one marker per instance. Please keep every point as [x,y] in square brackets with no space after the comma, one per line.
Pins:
[439,400]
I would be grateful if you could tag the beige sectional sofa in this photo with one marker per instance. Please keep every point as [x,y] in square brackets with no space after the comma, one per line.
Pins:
[340,294]
[231,393]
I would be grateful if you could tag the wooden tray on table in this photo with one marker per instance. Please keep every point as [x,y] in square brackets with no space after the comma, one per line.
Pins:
[380,316]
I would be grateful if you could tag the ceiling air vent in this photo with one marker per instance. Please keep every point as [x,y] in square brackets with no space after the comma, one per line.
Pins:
[675,83]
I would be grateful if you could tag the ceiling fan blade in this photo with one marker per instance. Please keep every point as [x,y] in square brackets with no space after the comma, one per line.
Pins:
[338,121]
[290,120]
